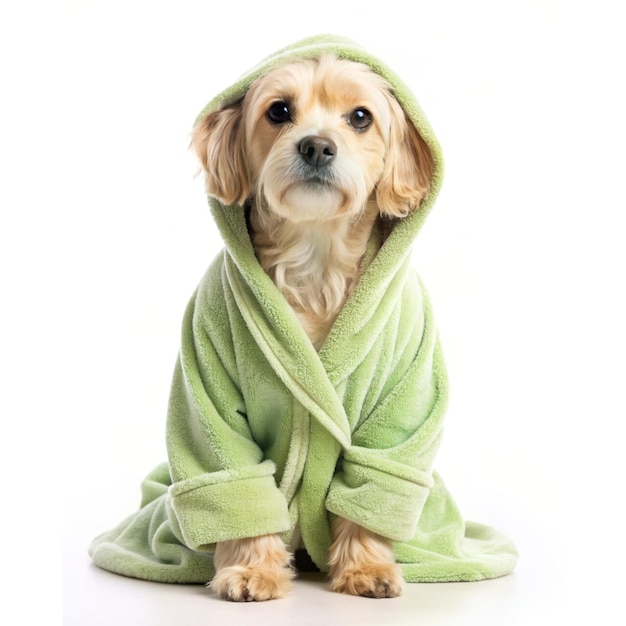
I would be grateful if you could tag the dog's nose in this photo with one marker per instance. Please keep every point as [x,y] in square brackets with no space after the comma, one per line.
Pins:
[318,151]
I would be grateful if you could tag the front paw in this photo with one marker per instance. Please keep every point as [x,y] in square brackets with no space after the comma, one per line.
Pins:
[252,569]
[248,584]
[369,580]
[362,563]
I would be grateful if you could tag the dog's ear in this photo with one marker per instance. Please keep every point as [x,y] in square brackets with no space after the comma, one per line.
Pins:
[408,167]
[217,140]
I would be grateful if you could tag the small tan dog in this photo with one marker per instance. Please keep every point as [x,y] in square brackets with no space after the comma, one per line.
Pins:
[321,154]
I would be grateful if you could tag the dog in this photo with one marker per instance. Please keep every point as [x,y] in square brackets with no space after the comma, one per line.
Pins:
[323,158]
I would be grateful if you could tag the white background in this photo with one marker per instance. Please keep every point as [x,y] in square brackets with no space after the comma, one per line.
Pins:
[105,232]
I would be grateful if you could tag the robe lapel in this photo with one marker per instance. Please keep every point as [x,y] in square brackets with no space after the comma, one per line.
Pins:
[274,327]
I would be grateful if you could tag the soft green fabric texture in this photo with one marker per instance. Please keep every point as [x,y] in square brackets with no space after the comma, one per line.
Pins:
[266,435]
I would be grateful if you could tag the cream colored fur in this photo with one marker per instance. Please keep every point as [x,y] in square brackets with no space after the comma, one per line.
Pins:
[310,227]
[257,568]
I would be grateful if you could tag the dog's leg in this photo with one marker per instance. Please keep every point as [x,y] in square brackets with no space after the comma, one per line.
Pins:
[253,569]
[362,563]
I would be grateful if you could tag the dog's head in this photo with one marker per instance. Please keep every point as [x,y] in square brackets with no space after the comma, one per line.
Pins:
[312,140]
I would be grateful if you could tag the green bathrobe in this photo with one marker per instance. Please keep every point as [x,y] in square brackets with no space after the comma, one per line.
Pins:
[266,435]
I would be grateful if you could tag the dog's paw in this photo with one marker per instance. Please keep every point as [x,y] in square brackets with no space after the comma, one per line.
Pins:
[252,569]
[362,563]
[371,581]
[247,584]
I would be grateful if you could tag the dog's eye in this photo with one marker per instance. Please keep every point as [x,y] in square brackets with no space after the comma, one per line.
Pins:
[360,119]
[279,113]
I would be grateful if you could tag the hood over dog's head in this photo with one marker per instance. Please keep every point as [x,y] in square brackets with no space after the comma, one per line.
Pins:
[370,138]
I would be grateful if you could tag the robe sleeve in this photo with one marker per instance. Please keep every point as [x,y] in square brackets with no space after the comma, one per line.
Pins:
[385,476]
[223,488]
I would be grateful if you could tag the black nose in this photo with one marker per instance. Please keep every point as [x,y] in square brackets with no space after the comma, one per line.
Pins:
[318,151]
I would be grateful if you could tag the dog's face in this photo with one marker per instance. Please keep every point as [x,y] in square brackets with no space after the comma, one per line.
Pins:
[312,140]
[316,136]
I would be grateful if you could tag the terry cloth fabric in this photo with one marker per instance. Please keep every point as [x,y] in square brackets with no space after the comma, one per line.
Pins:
[266,435]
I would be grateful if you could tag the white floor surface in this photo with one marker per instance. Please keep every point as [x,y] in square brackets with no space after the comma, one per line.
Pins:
[94,597]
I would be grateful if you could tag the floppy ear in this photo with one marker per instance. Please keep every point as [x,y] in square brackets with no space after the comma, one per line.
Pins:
[408,167]
[218,142]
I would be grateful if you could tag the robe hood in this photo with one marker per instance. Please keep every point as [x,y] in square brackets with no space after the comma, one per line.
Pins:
[231,220]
